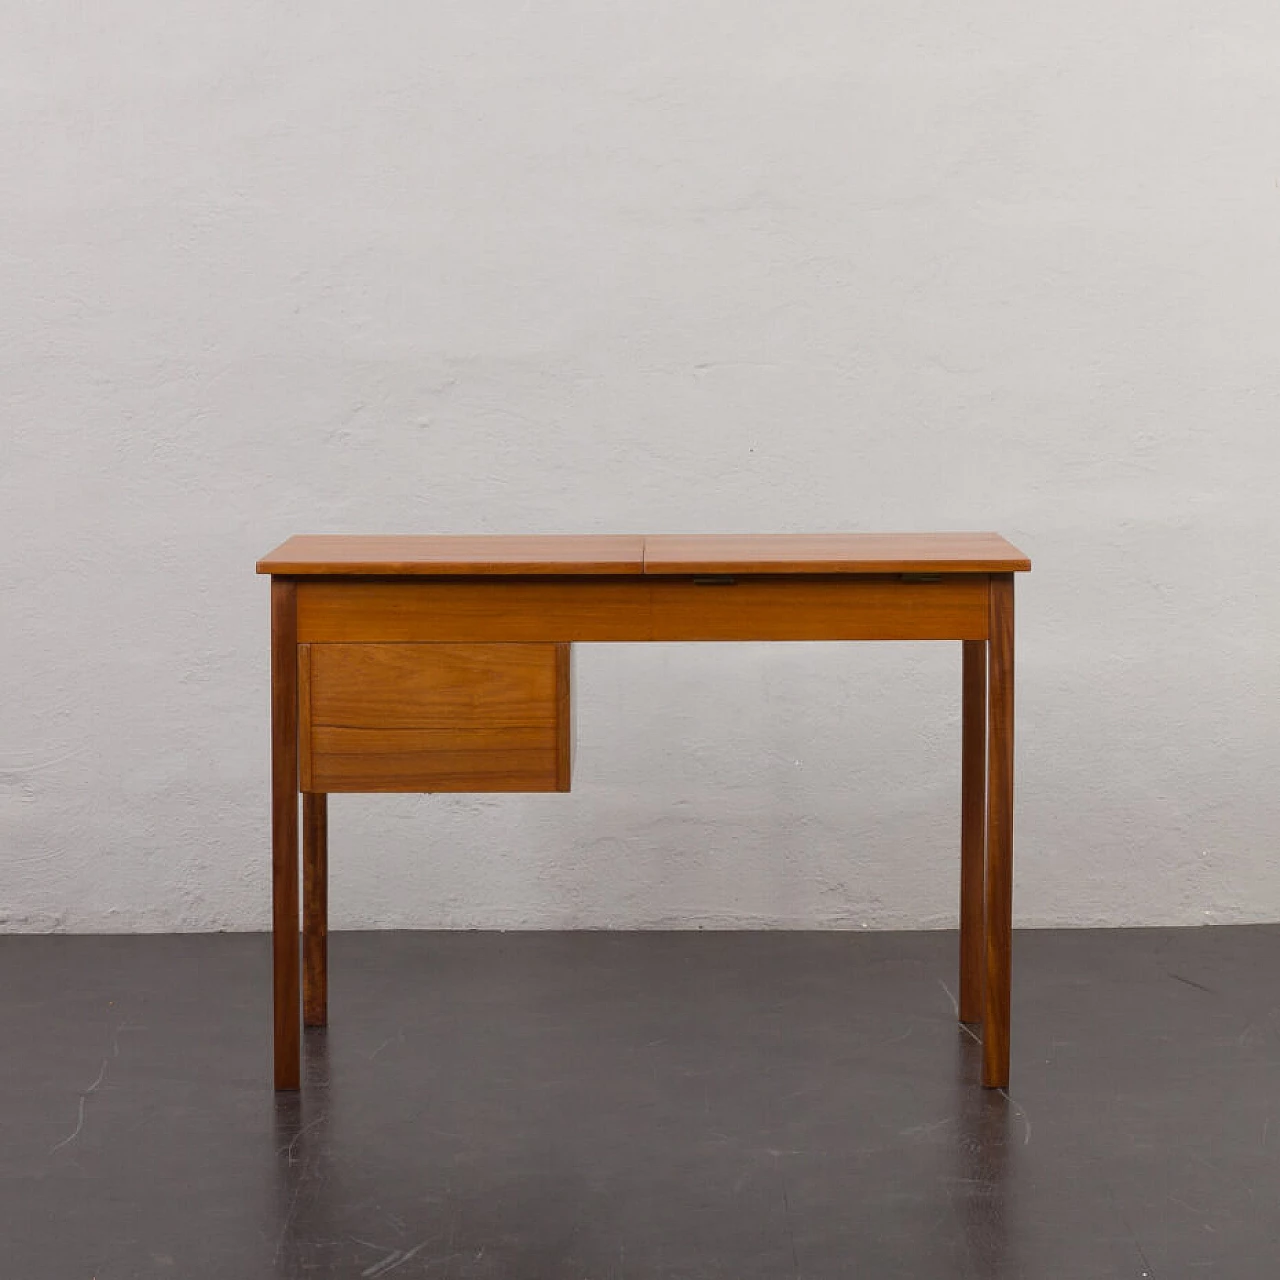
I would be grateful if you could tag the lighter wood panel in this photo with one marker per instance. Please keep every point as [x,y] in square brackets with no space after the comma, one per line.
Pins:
[875,607]
[436,717]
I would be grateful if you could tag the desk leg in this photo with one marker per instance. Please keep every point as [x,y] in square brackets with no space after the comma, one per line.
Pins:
[999,877]
[973,826]
[315,909]
[284,831]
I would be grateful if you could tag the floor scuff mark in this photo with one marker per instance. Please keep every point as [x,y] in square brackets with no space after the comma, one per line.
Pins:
[93,1088]
[1026,1119]
[287,1152]
[1191,982]
[955,1005]
[393,1261]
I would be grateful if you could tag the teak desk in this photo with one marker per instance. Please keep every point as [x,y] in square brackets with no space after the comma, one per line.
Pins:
[443,664]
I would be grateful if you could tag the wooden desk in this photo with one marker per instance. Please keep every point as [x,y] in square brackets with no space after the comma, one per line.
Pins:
[444,664]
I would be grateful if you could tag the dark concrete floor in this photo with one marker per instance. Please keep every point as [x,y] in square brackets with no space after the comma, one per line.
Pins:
[588,1106]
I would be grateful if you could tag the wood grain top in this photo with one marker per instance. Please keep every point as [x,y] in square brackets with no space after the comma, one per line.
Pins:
[664,554]
[833,553]
[431,555]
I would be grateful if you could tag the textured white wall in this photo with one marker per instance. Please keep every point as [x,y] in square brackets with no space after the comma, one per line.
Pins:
[509,266]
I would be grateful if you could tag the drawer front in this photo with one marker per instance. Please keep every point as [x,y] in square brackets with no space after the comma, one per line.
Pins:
[434,717]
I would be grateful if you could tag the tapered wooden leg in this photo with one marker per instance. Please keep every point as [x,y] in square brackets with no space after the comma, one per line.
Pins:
[973,826]
[315,910]
[999,870]
[284,831]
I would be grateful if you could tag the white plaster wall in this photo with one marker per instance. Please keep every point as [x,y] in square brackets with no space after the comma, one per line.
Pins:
[559,265]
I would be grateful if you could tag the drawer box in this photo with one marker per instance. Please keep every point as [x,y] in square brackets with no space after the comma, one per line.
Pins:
[434,717]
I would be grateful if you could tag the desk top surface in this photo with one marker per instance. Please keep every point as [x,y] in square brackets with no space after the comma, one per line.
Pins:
[430,555]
